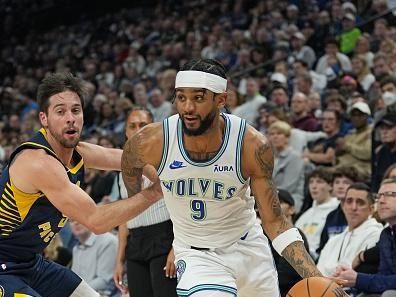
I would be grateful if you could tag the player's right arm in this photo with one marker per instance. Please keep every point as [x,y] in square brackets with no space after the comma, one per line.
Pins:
[258,164]
[35,171]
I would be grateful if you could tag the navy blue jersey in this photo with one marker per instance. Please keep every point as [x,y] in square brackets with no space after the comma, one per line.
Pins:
[28,221]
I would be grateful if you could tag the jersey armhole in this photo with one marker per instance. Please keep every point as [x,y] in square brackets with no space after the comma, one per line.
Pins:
[238,159]
[165,148]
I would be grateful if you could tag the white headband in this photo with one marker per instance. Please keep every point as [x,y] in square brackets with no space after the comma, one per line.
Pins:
[200,79]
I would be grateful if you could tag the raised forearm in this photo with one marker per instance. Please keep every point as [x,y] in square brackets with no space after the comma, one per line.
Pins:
[300,260]
[132,166]
[133,180]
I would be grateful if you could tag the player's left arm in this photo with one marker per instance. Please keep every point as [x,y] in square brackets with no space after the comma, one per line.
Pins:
[258,164]
[99,157]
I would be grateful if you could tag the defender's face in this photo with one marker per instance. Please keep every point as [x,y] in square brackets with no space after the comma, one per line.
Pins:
[64,118]
[198,109]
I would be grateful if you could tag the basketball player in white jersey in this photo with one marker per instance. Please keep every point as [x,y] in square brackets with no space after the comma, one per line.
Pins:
[207,162]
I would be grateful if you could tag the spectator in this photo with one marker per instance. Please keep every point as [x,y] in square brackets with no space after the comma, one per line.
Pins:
[379,33]
[362,232]
[362,72]
[386,154]
[303,83]
[381,65]
[288,166]
[336,222]
[56,252]
[140,95]
[390,172]
[355,148]
[93,257]
[363,49]
[388,88]
[315,105]
[279,96]
[322,151]
[301,119]
[99,182]
[382,283]
[350,34]
[249,109]
[300,51]
[333,62]
[312,221]
[319,81]
[160,108]
[233,100]
[338,103]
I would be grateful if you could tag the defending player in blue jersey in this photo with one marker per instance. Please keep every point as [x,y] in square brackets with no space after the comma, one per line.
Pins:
[207,162]
[40,190]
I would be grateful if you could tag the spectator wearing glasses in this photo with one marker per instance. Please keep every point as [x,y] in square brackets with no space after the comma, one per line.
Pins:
[382,283]
[362,232]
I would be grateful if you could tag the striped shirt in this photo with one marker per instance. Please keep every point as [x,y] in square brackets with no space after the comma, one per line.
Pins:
[156,213]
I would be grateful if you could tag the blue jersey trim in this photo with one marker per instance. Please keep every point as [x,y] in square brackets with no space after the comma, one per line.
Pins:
[241,134]
[205,287]
[227,129]
[165,148]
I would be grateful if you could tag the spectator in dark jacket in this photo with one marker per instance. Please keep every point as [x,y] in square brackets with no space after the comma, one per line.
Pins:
[386,155]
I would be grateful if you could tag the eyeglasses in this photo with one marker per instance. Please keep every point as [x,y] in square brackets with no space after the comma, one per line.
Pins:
[388,194]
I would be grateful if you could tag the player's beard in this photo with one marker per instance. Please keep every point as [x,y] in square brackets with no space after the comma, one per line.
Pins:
[205,124]
[62,140]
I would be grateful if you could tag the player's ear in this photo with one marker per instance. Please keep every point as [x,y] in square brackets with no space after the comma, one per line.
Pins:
[43,119]
[221,99]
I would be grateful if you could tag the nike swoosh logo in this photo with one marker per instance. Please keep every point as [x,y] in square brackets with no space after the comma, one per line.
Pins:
[176,165]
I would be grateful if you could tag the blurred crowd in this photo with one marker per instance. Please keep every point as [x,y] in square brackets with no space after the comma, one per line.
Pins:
[318,77]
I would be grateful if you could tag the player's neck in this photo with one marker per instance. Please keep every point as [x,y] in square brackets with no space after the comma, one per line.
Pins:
[210,141]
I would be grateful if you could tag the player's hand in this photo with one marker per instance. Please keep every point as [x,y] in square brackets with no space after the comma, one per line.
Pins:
[150,172]
[118,277]
[154,192]
[170,268]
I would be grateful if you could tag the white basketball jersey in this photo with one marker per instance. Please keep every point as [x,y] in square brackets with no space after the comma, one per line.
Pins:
[209,202]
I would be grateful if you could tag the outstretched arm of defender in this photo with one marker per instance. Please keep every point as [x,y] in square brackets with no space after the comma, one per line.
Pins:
[286,239]
[35,171]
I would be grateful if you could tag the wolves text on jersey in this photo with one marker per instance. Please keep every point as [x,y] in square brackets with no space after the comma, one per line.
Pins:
[199,188]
